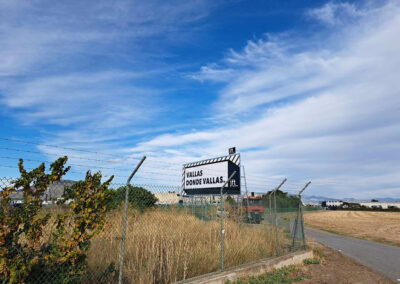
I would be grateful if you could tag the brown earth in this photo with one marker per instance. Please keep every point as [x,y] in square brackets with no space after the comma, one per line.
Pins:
[337,268]
[382,227]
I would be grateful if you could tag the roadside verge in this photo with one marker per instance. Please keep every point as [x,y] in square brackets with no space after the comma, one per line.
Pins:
[254,268]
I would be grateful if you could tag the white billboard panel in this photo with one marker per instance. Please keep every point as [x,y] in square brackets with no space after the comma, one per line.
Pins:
[205,176]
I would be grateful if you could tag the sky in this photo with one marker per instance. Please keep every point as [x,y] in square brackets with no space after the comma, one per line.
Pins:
[305,90]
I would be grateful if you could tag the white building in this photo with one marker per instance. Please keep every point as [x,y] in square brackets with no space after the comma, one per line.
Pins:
[167,198]
[334,203]
[384,205]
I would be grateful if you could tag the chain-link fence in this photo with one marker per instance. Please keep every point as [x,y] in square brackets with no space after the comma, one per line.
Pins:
[169,237]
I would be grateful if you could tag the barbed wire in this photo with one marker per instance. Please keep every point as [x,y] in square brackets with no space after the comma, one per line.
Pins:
[65,148]
[178,171]
[100,167]
[149,158]
[157,174]
[69,156]
[268,185]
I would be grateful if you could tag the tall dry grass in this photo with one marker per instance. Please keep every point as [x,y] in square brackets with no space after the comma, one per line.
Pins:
[167,246]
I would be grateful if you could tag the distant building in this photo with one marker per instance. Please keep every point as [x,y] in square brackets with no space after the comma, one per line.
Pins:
[53,192]
[334,203]
[56,190]
[167,198]
[383,205]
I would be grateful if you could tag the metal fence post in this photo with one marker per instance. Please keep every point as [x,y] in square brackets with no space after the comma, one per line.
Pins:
[276,226]
[299,218]
[269,209]
[302,228]
[222,219]
[121,257]
[276,218]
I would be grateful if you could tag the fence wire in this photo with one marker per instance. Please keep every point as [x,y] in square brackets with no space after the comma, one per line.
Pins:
[170,237]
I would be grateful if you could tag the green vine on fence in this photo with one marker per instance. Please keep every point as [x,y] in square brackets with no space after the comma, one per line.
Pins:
[26,254]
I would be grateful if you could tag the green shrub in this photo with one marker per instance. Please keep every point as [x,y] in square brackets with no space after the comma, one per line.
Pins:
[27,253]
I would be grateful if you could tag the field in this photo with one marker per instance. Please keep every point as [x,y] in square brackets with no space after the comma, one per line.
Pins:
[167,246]
[376,226]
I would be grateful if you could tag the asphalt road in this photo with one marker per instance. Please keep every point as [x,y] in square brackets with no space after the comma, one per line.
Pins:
[384,259]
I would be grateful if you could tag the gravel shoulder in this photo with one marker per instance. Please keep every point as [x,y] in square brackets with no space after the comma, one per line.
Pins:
[338,268]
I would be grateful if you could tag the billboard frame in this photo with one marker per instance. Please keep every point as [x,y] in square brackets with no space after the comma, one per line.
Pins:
[233,165]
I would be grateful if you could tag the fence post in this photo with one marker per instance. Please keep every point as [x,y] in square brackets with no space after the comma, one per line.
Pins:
[299,218]
[295,227]
[276,218]
[269,211]
[302,228]
[121,257]
[222,219]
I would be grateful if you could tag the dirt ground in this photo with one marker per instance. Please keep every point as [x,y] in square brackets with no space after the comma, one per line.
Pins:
[376,226]
[337,268]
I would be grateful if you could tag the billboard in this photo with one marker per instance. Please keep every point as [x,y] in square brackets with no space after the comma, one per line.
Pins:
[208,176]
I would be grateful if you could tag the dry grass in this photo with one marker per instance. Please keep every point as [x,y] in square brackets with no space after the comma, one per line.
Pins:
[167,246]
[377,226]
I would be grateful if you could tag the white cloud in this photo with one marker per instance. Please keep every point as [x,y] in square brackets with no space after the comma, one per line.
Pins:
[334,13]
[85,98]
[325,111]
[65,63]
[36,34]
[324,108]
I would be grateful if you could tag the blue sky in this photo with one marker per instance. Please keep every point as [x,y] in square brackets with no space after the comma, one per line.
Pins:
[306,90]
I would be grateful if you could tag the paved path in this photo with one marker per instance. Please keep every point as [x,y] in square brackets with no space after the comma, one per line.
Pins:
[382,258]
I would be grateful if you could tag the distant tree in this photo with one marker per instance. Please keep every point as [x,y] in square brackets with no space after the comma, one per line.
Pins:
[283,200]
[139,197]
[323,203]
[374,200]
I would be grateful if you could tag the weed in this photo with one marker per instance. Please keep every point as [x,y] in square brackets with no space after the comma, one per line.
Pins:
[312,261]
[288,274]
[318,252]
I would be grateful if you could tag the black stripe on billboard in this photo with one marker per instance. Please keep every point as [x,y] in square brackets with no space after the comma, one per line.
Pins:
[233,158]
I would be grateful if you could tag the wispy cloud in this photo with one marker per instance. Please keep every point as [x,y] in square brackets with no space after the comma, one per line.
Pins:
[321,105]
[326,109]
[336,13]
[89,68]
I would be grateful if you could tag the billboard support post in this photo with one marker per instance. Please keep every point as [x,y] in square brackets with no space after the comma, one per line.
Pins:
[222,219]
[276,218]
[247,194]
[121,257]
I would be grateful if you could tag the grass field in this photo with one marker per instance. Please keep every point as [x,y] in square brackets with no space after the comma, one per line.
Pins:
[167,246]
[382,227]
